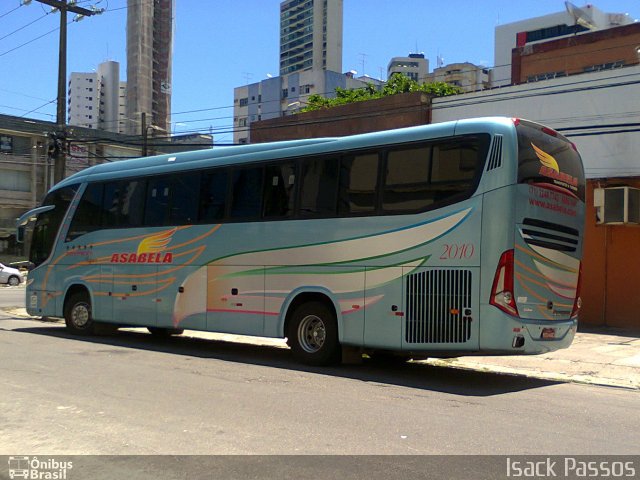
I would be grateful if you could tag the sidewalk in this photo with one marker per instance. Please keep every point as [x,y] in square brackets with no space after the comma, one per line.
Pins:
[604,357]
[608,358]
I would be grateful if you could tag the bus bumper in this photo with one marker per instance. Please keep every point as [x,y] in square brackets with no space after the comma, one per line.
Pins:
[502,334]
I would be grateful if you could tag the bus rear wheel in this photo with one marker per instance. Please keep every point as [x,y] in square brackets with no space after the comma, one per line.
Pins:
[313,334]
[77,315]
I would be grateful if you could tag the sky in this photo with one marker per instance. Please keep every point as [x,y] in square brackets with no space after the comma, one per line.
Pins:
[223,44]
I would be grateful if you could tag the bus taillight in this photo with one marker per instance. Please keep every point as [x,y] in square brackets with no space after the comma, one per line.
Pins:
[577,303]
[502,292]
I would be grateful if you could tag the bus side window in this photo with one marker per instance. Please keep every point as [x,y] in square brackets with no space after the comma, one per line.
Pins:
[279,189]
[319,187]
[132,203]
[184,199]
[453,168]
[213,196]
[246,203]
[88,215]
[358,183]
[156,212]
[406,183]
[110,205]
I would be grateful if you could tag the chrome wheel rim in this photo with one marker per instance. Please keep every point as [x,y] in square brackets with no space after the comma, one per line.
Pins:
[13,281]
[312,333]
[80,315]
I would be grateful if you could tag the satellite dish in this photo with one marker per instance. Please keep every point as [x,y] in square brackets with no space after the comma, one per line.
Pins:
[581,17]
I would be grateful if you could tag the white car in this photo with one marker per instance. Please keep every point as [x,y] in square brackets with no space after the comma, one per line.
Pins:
[10,276]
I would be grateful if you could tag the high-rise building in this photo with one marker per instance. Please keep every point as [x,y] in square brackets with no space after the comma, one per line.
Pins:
[310,63]
[83,102]
[466,75]
[94,98]
[310,35]
[605,49]
[149,52]
[572,21]
[281,96]
[415,66]
[122,108]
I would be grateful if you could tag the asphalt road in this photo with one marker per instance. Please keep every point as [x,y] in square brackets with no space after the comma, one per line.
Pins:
[130,393]
[133,394]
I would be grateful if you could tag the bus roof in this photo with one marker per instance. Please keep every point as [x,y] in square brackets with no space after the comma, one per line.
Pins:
[220,156]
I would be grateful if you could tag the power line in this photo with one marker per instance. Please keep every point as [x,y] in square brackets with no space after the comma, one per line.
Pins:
[30,41]
[38,108]
[25,26]
[12,10]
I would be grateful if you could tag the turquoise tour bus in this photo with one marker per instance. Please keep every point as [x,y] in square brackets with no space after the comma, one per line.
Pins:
[457,238]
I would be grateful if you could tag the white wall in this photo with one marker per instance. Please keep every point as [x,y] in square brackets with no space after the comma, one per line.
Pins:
[593,100]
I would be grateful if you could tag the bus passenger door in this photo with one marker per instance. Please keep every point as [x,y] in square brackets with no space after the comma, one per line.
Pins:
[135,289]
[383,313]
[102,294]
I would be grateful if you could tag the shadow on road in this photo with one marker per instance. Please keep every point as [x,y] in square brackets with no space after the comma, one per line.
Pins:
[413,375]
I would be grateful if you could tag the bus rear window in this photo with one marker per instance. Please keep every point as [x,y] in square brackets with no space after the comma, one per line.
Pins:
[547,157]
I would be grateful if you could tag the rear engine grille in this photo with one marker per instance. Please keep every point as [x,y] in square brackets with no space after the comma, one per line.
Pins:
[438,306]
[549,235]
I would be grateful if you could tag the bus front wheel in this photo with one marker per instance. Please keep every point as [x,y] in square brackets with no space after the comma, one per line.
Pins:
[313,334]
[77,314]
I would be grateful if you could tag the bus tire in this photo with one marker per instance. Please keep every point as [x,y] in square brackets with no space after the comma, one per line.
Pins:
[312,334]
[162,332]
[13,281]
[77,314]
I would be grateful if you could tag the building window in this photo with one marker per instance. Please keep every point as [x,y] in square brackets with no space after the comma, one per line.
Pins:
[6,144]
[604,66]
[244,102]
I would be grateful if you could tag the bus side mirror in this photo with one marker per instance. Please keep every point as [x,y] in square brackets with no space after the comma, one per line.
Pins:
[20,234]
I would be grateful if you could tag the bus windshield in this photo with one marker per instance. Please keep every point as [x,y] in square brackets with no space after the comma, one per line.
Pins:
[546,157]
[48,223]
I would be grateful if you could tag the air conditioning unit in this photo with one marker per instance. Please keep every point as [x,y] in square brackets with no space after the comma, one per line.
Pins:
[617,205]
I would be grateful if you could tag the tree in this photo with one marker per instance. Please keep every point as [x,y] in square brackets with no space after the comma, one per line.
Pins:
[397,84]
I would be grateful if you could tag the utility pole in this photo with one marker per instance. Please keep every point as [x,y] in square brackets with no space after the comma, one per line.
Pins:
[59,154]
